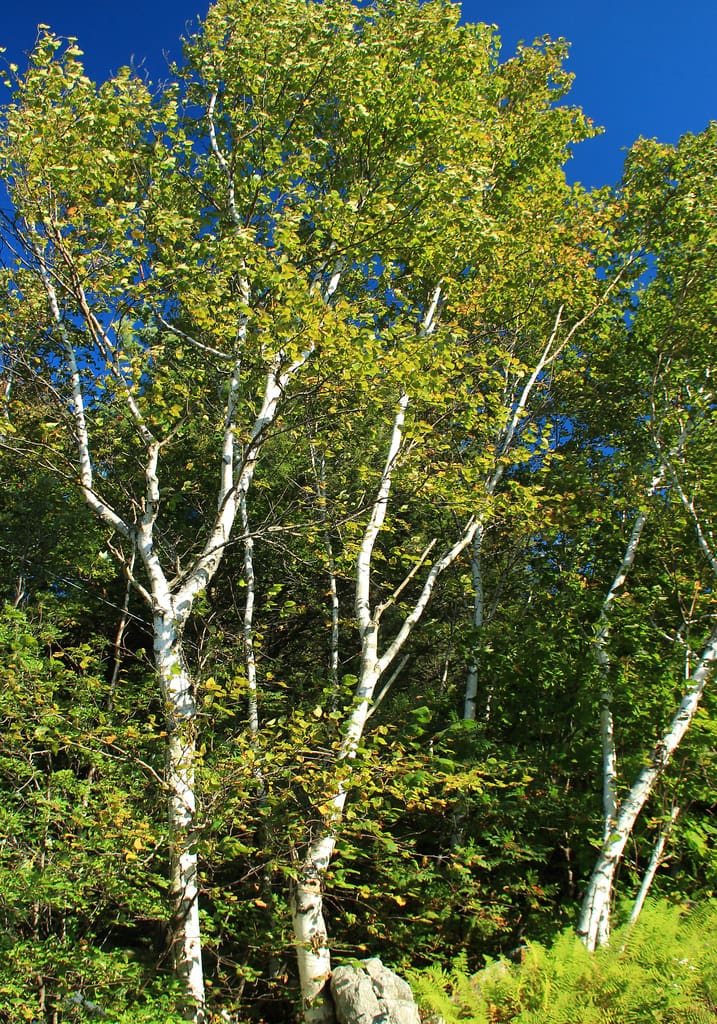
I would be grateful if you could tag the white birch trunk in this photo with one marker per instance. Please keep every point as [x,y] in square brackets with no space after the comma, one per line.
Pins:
[171,604]
[470,704]
[313,953]
[602,633]
[335,618]
[170,612]
[310,937]
[248,620]
[100,508]
[658,852]
[180,716]
[180,719]
[605,881]
[312,948]
[318,464]
[594,923]
[175,685]
[312,945]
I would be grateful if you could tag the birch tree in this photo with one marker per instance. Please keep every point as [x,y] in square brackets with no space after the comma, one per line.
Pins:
[90,235]
[674,332]
[377,655]
[81,232]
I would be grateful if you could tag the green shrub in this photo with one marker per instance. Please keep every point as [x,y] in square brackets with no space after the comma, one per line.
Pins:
[662,969]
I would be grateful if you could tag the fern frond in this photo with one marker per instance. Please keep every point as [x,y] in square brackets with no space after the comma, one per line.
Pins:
[662,970]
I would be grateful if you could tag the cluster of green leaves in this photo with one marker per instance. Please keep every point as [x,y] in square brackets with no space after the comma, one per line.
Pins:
[79,836]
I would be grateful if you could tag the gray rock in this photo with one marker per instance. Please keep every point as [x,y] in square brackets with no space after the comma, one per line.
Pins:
[369,993]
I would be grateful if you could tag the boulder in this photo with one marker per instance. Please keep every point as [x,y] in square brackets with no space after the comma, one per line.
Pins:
[369,993]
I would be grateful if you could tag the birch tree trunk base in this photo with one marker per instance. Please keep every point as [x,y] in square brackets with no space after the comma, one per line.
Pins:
[312,952]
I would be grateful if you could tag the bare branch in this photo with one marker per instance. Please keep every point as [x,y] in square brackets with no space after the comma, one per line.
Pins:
[381,608]
[376,521]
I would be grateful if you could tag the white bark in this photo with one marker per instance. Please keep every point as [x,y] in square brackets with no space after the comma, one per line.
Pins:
[594,923]
[600,889]
[607,725]
[312,945]
[318,464]
[549,354]
[180,717]
[313,954]
[335,616]
[235,479]
[704,538]
[8,362]
[82,441]
[233,484]
[376,521]
[600,639]
[176,688]
[180,714]
[658,852]
[172,603]
[248,620]
[471,696]
[430,319]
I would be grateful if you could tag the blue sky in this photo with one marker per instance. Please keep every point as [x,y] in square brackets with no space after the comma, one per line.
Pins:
[642,67]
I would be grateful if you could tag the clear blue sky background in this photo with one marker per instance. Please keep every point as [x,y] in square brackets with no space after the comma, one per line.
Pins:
[642,67]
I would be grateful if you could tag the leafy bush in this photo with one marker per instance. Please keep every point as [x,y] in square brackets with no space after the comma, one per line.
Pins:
[662,969]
